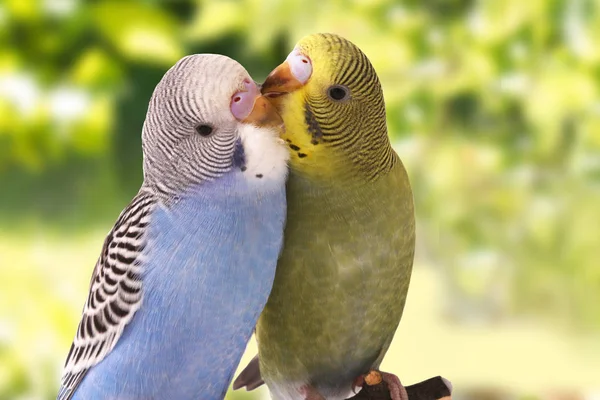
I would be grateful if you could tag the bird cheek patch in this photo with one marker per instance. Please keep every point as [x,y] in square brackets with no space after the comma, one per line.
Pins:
[312,125]
[239,156]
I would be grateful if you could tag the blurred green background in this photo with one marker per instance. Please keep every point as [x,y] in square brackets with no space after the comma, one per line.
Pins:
[492,105]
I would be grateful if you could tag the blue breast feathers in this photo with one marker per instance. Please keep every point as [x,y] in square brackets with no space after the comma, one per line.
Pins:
[208,270]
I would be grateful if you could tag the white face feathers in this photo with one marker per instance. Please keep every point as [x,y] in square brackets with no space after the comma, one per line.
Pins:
[206,118]
[266,154]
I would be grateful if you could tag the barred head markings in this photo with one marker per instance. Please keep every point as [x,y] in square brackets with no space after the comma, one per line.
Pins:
[195,92]
[344,103]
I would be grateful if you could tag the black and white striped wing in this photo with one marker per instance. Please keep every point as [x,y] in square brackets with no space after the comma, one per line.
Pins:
[115,293]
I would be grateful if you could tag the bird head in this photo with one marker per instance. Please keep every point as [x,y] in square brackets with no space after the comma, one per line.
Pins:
[206,118]
[331,101]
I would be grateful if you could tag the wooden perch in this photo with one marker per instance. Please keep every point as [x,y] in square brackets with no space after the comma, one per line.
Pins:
[430,389]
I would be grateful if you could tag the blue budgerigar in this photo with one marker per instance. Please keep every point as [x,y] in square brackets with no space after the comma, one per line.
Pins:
[187,268]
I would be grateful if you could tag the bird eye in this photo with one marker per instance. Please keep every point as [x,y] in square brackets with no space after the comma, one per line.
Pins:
[338,93]
[204,130]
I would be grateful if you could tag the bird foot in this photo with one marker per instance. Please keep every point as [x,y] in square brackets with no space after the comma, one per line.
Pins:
[310,393]
[374,377]
[397,391]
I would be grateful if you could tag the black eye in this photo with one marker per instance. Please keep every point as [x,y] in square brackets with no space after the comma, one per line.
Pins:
[338,93]
[204,130]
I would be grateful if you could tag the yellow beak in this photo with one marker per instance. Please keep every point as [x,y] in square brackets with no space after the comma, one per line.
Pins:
[280,81]
[264,114]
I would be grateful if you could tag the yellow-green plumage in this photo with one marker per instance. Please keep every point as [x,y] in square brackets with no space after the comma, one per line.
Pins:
[344,271]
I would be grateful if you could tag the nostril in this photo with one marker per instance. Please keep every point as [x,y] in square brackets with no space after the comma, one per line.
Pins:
[300,66]
[241,104]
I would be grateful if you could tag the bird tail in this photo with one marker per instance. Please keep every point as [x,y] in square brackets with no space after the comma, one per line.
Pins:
[250,377]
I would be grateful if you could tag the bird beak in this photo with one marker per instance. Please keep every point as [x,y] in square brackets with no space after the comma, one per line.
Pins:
[264,114]
[280,81]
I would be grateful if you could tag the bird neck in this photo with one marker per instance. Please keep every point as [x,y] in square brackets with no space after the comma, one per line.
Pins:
[342,195]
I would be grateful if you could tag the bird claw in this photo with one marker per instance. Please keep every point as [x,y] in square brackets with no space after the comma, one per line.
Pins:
[374,377]
[397,390]
[310,393]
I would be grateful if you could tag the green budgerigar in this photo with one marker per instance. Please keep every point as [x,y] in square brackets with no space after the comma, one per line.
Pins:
[343,275]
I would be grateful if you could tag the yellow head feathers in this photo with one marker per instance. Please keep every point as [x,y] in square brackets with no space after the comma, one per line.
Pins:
[332,104]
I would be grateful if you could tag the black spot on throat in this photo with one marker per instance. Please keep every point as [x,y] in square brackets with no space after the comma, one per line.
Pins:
[259,176]
[239,155]
[301,155]
[313,126]
[294,147]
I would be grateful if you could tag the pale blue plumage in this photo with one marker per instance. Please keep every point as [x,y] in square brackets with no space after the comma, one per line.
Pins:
[188,266]
[223,251]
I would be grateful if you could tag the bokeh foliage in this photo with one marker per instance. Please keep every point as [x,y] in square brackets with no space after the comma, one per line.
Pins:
[493,106]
